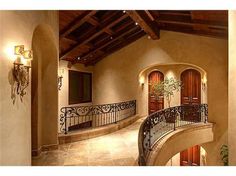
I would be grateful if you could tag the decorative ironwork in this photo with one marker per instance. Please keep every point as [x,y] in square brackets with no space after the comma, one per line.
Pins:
[98,115]
[160,123]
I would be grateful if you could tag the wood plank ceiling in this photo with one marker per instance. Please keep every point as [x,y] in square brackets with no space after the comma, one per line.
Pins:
[88,36]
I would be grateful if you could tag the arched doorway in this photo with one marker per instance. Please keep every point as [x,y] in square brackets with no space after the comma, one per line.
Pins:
[154,103]
[190,95]
[44,93]
[191,90]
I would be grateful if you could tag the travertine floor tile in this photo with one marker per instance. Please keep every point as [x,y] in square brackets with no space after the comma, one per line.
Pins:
[116,149]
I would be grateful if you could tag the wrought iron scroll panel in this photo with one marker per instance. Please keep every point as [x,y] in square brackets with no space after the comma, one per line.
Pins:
[160,123]
[97,115]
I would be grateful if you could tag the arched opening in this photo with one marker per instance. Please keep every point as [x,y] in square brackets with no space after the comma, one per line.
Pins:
[155,103]
[44,94]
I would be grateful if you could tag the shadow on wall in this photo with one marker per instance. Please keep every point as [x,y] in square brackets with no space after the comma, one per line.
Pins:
[44,98]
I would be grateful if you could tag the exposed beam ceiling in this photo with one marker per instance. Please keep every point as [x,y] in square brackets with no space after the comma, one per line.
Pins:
[88,36]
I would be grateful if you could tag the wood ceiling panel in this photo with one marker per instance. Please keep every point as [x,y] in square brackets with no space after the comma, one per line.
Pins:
[67,16]
[88,36]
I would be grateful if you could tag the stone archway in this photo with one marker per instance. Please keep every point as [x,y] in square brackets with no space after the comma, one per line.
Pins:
[44,96]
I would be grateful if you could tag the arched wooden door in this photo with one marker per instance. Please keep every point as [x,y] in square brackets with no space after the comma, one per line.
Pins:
[154,103]
[191,90]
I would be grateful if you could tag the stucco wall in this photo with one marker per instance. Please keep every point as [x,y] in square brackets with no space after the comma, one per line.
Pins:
[232,87]
[64,92]
[116,77]
[17,27]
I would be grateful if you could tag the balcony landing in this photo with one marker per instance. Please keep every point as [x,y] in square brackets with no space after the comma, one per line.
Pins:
[119,148]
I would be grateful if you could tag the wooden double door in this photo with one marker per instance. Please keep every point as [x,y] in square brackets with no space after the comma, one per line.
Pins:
[191,94]
[154,103]
[191,90]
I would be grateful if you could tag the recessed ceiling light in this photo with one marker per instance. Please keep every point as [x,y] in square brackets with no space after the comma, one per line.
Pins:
[78,58]
[111,37]
[136,23]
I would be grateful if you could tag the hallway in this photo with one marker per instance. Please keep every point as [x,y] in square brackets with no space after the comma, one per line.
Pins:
[116,149]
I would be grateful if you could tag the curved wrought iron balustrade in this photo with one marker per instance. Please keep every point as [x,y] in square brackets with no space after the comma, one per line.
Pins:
[162,122]
[80,117]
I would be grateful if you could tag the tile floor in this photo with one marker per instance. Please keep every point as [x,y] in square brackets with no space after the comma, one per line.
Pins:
[116,149]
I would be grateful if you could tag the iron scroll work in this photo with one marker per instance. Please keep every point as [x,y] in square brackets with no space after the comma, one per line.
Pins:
[162,122]
[95,115]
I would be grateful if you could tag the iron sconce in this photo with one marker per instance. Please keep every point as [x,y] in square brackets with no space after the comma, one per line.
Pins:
[21,67]
[61,71]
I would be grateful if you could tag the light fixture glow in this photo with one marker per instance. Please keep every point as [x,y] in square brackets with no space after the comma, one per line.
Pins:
[21,66]
[19,49]
[141,80]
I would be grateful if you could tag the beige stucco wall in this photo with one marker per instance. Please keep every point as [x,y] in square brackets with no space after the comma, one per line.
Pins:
[17,27]
[116,78]
[232,87]
[63,94]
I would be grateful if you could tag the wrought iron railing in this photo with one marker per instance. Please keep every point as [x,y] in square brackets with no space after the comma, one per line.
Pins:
[162,122]
[80,117]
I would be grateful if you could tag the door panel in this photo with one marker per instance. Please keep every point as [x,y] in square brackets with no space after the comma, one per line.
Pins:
[190,93]
[190,157]
[155,103]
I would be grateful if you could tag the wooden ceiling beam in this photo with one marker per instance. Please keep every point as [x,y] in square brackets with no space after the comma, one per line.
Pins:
[192,23]
[174,13]
[95,22]
[149,15]
[145,23]
[196,32]
[118,47]
[77,22]
[73,49]
[108,43]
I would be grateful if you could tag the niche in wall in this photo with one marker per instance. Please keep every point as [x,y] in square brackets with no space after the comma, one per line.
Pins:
[80,87]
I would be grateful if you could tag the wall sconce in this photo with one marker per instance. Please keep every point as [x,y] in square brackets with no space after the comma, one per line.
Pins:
[141,81]
[22,64]
[204,82]
[61,71]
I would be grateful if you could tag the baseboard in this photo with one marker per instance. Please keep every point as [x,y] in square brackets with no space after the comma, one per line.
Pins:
[43,148]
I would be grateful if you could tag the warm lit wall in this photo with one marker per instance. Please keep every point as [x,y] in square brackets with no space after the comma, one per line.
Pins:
[232,87]
[64,68]
[17,27]
[116,76]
